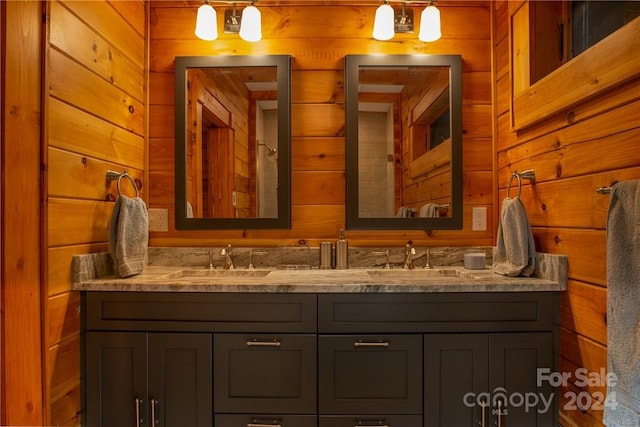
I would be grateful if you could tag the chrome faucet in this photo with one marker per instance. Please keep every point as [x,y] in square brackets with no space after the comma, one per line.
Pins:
[409,252]
[228,258]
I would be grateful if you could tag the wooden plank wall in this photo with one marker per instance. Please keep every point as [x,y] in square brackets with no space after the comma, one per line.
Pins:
[95,121]
[21,389]
[318,42]
[574,151]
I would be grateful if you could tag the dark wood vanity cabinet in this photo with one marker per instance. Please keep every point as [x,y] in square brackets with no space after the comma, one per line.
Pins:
[487,379]
[265,374]
[370,374]
[148,379]
[317,360]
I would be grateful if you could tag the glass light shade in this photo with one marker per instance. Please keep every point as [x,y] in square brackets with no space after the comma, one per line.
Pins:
[206,23]
[383,25]
[430,24]
[251,24]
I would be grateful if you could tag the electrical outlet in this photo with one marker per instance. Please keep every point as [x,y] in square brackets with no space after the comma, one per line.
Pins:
[479,219]
[158,219]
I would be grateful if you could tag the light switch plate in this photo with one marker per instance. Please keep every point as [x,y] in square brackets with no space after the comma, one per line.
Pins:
[158,219]
[479,215]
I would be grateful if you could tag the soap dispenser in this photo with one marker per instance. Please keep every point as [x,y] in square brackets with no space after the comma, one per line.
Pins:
[342,252]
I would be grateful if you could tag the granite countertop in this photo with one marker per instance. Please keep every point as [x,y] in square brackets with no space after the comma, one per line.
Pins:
[93,273]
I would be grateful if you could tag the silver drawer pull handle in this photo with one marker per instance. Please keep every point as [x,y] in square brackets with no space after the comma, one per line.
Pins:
[259,343]
[370,423]
[380,343]
[264,425]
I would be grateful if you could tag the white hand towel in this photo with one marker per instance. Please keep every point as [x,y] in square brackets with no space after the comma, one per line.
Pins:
[129,235]
[515,253]
[622,406]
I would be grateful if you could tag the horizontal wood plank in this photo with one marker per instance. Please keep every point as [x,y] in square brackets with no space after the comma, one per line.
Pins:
[318,187]
[317,154]
[89,177]
[70,35]
[583,310]
[59,276]
[78,222]
[76,85]
[64,317]
[106,20]
[80,132]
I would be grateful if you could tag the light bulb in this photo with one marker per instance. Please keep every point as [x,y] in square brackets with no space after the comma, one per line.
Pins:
[206,23]
[383,25]
[251,24]
[430,24]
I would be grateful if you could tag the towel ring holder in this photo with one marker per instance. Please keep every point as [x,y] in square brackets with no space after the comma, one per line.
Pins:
[529,174]
[112,176]
[519,179]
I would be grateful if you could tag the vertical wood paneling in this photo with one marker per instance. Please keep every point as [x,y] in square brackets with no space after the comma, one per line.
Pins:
[574,149]
[21,228]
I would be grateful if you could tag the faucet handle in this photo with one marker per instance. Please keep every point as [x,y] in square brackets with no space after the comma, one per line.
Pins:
[253,252]
[428,253]
[387,266]
[208,252]
[427,263]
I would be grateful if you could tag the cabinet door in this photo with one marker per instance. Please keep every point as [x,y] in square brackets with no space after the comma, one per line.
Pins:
[514,360]
[116,379]
[265,374]
[455,375]
[370,374]
[180,380]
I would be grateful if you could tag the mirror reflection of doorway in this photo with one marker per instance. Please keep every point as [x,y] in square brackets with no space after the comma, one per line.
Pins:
[376,160]
[267,159]
[215,158]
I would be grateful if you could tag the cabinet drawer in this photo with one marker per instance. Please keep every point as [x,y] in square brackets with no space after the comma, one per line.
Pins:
[370,374]
[435,312]
[371,420]
[265,373]
[194,312]
[226,420]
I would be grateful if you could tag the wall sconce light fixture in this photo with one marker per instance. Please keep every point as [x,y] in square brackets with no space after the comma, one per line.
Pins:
[251,24]
[248,25]
[383,25]
[206,25]
[387,22]
[430,24]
